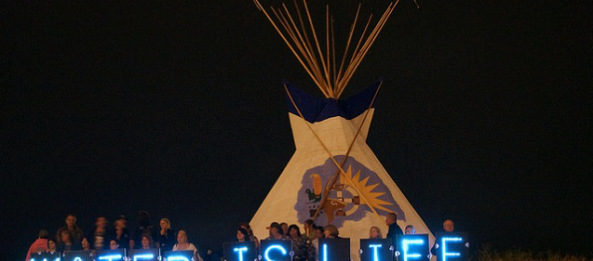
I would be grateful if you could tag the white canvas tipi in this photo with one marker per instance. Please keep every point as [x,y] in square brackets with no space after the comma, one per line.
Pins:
[366,185]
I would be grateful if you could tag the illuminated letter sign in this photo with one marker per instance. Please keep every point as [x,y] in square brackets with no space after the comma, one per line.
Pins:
[413,247]
[239,251]
[78,255]
[45,256]
[444,242]
[110,257]
[276,250]
[143,257]
[145,254]
[273,247]
[185,255]
[177,258]
[337,249]
[375,250]
[451,246]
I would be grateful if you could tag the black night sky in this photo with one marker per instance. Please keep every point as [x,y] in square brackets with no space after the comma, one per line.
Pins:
[177,108]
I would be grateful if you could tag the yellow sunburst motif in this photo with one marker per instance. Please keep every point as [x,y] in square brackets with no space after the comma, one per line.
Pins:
[364,190]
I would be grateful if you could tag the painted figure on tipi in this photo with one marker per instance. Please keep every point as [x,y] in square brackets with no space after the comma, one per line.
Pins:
[333,177]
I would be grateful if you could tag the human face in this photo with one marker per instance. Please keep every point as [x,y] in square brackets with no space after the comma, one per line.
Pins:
[113,245]
[85,244]
[410,231]
[284,228]
[70,221]
[318,233]
[101,221]
[51,245]
[119,223]
[374,233]
[145,243]
[181,237]
[327,234]
[389,220]
[448,225]
[164,224]
[240,236]
[65,236]
[274,231]
[293,233]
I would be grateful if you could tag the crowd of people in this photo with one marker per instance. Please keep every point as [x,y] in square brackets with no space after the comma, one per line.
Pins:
[103,236]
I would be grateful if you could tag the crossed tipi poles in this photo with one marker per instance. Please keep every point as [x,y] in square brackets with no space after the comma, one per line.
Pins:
[332,180]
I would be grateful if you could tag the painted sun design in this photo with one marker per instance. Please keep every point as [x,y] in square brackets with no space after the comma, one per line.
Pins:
[368,196]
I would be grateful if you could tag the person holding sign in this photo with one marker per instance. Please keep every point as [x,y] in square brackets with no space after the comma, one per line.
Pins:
[183,244]
[448,226]
[301,244]
[40,244]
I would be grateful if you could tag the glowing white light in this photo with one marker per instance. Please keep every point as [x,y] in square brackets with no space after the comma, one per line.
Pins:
[324,252]
[177,258]
[110,257]
[444,241]
[406,247]
[272,247]
[77,259]
[375,251]
[148,256]
[240,250]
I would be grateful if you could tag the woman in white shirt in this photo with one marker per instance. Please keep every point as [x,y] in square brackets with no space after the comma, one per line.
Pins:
[183,244]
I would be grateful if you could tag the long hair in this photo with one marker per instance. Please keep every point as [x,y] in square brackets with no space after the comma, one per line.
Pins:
[378,230]
[293,226]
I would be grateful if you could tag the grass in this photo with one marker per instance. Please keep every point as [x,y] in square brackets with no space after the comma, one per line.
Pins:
[486,253]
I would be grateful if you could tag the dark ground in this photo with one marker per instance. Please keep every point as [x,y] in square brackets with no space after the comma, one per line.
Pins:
[176,107]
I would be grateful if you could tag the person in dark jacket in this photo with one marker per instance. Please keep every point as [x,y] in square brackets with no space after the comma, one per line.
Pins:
[143,226]
[448,226]
[121,233]
[394,229]
[166,237]
[76,232]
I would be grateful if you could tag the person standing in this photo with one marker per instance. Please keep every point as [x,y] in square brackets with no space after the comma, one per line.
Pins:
[309,229]
[75,232]
[166,238]
[301,244]
[39,245]
[121,232]
[448,226]
[100,234]
[394,229]
[184,244]
[143,226]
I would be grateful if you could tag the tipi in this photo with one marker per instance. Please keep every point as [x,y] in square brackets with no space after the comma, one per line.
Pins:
[334,176]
